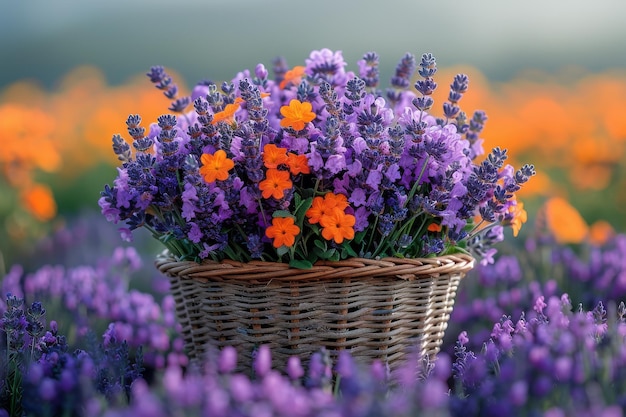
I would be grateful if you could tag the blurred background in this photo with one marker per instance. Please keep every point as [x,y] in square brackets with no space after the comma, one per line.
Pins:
[550,75]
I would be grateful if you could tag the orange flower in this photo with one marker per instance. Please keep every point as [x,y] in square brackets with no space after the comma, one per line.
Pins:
[338,226]
[293,76]
[298,164]
[283,231]
[564,221]
[600,232]
[296,114]
[274,156]
[519,217]
[228,114]
[275,184]
[38,200]
[325,205]
[317,210]
[216,166]
[336,200]
[434,227]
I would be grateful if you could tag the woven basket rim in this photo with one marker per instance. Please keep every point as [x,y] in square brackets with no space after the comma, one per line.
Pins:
[402,268]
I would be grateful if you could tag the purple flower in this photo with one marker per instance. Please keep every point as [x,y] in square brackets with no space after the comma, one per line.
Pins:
[294,368]
[194,234]
[228,359]
[190,196]
[263,360]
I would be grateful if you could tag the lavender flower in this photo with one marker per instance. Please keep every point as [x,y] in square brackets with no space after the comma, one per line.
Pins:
[98,299]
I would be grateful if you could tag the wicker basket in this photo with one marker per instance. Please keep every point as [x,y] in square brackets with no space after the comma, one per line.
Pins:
[374,308]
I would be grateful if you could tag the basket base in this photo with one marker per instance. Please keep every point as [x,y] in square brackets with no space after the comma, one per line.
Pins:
[373,317]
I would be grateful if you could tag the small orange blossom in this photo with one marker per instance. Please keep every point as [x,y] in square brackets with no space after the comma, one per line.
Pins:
[325,205]
[283,231]
[228,114]
[293,76]
[216,166]
[337,226]
[38,200]
[434,227]
[273,156]
[296,114]
[275,184]
[519,217]
[298,164]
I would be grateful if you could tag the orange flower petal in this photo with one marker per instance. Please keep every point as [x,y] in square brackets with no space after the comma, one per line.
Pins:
[298,164]
[434,227]
[292,76]
[228,114]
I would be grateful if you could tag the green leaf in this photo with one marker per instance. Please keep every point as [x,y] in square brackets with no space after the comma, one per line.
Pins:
[308,193]
[300,264]
[283,213]
[327,254]
[358,237]
[301,209]
[283,250]
[347,249]
[321,253]
[334,256]
[320,244]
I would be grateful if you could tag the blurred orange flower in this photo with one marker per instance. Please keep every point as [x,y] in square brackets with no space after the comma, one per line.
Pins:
[293,76]
[27,143]
[434,227]
[600,232]
[564,221]
[38,200]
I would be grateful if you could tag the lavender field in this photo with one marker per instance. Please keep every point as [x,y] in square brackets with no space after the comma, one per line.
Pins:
[540,332]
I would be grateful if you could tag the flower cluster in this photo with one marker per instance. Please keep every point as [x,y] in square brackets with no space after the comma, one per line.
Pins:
[97,299]
[219,391]
[588,272]
[317,163]
[552,361]
[42,376]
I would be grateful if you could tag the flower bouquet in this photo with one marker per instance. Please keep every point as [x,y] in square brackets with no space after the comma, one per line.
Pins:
[315,209]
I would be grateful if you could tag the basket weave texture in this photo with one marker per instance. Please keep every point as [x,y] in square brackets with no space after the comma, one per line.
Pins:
[377,309]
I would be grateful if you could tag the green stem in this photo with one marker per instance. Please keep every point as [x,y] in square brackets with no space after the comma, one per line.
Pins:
[262,212]
[475,228]
[369,244]
[396,234]
[417,181]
